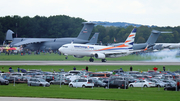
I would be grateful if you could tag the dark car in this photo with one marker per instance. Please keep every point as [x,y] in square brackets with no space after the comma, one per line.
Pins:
[3,81]
[11,79]
[49,78]
[98,83]
[16,79]
[173,87]
[120,84]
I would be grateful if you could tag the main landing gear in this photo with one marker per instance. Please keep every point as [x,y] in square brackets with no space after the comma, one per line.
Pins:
[91,60]
[103,60]
[66,57]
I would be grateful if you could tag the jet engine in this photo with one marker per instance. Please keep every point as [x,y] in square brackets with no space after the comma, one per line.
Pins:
[99,56]
[77,56]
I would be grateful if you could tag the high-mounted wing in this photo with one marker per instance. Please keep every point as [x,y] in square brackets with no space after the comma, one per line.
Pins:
[30,41]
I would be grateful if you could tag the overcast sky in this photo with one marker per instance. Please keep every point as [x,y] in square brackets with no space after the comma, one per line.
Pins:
[146,12]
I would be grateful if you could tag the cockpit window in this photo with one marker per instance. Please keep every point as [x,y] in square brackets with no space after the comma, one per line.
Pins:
[65,46]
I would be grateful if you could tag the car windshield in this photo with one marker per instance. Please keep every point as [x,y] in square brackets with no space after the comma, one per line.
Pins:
[100,81]
[147,80]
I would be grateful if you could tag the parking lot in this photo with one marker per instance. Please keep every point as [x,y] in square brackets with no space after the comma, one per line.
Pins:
[120,79]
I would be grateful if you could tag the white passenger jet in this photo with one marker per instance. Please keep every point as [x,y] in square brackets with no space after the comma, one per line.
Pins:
[98,51]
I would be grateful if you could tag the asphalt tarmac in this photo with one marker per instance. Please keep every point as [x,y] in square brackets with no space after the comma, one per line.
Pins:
[86,63]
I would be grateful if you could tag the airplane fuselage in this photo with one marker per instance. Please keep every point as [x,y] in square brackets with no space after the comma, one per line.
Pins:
[49,44]
[169,45]
[79,50]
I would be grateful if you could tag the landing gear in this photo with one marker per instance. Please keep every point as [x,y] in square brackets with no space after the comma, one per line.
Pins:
[103,60]
[91,60]
[66,57]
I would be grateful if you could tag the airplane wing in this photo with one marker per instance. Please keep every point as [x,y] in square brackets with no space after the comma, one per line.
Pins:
[29,41]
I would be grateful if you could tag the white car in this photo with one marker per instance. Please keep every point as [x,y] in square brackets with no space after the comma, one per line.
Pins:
[73,77]
[82,82]
[142,83]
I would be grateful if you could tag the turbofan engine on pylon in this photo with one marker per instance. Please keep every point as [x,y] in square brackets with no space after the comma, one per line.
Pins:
[99,56]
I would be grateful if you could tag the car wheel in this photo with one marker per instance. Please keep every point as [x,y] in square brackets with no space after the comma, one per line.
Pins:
[40,85]
[70,85]
[62,83]
[119,87]
[106,87]
[0,83]
[47,85]
[131,86]
[51,83]
[145,86]
[83,86]
[7,83]
[158,86]
[98,86]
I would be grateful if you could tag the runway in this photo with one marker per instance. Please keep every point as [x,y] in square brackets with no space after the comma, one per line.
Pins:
[86,63]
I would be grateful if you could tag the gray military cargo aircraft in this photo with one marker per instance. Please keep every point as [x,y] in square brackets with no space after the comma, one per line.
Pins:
[50,43]
[150,42]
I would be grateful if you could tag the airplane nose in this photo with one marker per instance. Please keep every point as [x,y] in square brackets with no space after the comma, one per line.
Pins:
[59,49]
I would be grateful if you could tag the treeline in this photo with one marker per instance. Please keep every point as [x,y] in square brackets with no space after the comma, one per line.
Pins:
[64,26]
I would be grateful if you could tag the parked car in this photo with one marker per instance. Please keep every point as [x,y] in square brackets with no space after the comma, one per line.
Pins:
[99,75]
[37,82]
[4,75]
[171,82]
[67,81]
[82,82]
[18,74]
[16,79]
[105,79]
[75,72]
[3,81]
[64,81]
[98,83]
[171,87]
[142,83]
[49,78]
[158,83]
[120,84]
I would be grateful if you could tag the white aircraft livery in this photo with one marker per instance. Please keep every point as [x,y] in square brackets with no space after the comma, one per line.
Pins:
[98,51]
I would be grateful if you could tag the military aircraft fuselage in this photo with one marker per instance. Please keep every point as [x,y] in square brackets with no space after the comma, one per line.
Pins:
[49,44]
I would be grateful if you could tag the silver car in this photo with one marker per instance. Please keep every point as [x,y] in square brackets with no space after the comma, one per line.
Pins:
[38,82]
[3,81]
[158,83]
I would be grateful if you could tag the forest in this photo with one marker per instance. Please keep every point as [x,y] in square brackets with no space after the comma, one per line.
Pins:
[65,26]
